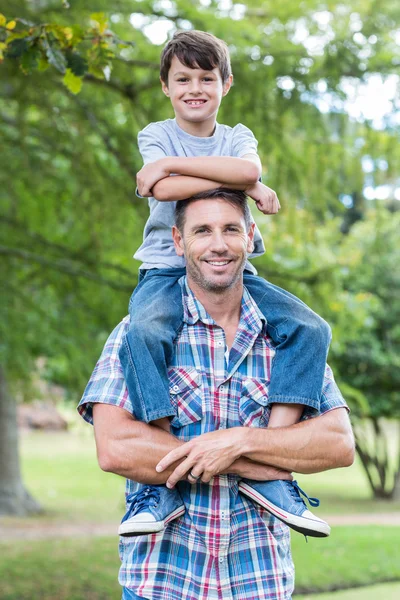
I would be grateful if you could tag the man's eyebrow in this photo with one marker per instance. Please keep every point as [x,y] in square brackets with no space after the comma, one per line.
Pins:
[233,224]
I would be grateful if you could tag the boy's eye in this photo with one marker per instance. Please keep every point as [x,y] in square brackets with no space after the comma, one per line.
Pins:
[182,79]
[208,79]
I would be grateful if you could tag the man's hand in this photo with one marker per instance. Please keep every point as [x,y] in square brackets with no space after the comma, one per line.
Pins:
[205,456]
[149,175]
[265,198]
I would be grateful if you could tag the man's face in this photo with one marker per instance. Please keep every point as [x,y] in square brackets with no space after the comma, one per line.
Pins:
[215,243]
[195,94]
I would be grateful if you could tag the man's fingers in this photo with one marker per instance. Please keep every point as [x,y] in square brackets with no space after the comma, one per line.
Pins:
[179,473]
[171,457]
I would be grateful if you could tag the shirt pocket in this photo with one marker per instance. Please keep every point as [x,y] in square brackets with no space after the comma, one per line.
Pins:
[253,405]
[185,394]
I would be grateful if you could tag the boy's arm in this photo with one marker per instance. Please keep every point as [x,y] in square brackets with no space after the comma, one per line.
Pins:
[227,170]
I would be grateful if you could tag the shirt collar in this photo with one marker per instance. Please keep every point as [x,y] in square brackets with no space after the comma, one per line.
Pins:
[194,311]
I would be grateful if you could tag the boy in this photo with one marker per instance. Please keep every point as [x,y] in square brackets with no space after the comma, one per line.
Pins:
[182,157]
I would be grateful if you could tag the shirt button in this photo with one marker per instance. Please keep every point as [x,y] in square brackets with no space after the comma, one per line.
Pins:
[222,388]
[175,388]
[220,343]
[221,560]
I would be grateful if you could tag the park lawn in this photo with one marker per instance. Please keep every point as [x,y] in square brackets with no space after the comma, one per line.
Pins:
[386,591]
[86,569]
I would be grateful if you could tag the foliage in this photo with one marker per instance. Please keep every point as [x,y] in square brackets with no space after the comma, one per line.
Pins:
[74,51]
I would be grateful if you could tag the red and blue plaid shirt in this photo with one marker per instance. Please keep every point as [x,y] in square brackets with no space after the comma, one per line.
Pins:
[224,547]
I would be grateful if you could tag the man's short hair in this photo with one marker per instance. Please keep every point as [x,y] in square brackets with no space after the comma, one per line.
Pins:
[235,197]
[196,50]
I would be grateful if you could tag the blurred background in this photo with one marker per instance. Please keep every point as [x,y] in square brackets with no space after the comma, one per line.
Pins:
[318,83]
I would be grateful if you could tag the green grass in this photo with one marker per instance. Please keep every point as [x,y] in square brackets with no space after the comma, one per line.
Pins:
[86,569]
[61,471]
[387,591]
[350,557]
[73,569]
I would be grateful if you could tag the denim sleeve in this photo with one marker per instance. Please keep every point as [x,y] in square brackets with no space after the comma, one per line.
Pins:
[331,397]
[107,384]
[243,141]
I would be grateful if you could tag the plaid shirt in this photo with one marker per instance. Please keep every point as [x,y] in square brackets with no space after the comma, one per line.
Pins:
[225,546]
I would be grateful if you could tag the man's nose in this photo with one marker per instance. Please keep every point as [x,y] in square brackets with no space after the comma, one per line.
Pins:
[218,243]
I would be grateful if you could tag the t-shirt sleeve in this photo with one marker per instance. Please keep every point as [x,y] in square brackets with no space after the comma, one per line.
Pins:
[331,397]
[107,384]
[153,143]
[243,141]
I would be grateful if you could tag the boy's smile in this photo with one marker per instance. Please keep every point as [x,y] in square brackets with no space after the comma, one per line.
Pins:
[195,96]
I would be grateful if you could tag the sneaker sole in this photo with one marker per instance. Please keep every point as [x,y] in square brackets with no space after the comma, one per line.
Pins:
[134,529]
[305,526]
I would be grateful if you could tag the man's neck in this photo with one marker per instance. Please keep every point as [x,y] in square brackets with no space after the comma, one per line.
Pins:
[224,308]
[202,129]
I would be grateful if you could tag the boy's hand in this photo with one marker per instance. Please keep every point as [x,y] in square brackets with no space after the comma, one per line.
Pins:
[266,199]
[149,175]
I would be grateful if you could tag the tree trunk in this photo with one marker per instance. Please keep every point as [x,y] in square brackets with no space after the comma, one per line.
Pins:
[14,498]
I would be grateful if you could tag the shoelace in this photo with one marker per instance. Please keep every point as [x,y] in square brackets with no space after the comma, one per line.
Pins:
[148,496]
[296,490]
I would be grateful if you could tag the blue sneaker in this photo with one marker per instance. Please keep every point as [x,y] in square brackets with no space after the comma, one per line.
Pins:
[150,510]
[283,500]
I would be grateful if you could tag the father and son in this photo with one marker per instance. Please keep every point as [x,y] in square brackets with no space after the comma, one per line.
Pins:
[216,387]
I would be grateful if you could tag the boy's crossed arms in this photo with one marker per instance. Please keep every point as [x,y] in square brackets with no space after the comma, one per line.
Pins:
[193,175]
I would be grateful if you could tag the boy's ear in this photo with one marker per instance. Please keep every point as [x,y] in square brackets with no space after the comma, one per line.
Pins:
[227,85]
[164,87]
[178,240]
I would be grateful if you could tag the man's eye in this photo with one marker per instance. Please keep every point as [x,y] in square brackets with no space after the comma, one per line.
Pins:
[201,230]
[235,229]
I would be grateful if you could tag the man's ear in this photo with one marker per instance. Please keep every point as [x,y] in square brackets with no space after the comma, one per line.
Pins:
[178,240]
[250,238]
[164,87]
[227,85]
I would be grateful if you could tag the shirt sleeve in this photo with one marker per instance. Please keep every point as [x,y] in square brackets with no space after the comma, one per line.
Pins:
[243,141]
[331,397]
[107,384]
[153,143]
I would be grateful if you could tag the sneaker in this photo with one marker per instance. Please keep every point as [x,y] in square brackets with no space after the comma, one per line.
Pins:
[150,510]
[283,500]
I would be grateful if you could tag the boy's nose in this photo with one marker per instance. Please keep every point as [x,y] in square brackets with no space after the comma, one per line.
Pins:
[195,87]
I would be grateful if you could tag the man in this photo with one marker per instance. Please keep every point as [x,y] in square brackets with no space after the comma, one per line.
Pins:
[224,546]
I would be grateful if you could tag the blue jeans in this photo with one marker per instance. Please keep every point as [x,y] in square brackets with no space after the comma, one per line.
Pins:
[301,339]
[129,595]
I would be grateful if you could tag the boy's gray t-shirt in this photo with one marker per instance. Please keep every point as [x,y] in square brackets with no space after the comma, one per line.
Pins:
[166,138]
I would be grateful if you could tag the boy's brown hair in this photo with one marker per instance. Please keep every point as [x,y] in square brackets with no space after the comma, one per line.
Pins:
[196,50]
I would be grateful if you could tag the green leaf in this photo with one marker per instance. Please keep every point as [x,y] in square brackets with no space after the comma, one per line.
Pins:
[30,59]
[77,63]
[55,56]
[17,48]
[72,82]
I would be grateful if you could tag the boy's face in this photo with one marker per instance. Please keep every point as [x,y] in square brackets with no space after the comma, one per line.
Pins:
[195,96]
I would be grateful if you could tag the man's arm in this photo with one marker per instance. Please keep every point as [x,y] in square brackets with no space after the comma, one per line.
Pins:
[226,170]
[132,449]
[325,442]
